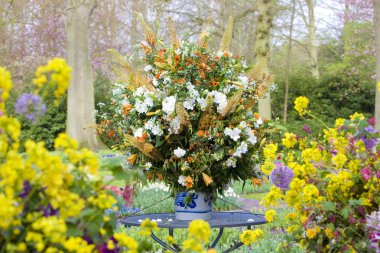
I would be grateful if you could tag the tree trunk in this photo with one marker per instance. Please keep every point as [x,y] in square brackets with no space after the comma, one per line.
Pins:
[288,57]
[80,99]
[261,50]
[312,39]
[377,37]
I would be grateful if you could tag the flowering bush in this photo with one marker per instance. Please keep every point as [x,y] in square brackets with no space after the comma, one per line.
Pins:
[51,202]
[191,121]
[335,184]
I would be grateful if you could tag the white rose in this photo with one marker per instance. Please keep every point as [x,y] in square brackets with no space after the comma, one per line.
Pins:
[179,152]
[168,105]
[182,180]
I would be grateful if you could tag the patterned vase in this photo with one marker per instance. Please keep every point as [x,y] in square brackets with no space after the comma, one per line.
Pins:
[198,208]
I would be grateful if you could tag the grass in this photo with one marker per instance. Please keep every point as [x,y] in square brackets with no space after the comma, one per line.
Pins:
[255,195]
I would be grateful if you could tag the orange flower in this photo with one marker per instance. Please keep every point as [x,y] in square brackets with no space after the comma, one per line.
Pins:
[203,75]
[159,176]
[111,133]
[126,109]
[200,133]
[143,137]
[189,182]
[257,116]
[198,53]
[227,54]
[256,181]
[182,80]
[232,152]
[207,179]
[132,159]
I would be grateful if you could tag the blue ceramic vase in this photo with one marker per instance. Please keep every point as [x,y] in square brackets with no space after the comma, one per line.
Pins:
[198,207]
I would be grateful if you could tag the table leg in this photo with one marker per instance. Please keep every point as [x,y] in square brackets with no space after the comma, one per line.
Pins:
[237,245]
[163,244]
[232,248]
[217,238]
[171,233]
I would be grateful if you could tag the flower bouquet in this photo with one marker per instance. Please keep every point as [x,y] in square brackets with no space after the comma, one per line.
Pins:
[191,120]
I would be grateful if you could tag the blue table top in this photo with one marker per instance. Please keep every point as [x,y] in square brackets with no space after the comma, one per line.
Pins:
[218,220]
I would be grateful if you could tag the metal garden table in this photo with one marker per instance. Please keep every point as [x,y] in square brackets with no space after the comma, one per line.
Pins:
[219,220]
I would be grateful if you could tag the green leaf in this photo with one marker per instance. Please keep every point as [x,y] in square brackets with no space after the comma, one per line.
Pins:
[329,206]
[346,212]
[73,230]
[355,202]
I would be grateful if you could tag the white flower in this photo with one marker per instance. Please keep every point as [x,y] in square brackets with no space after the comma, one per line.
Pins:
[167,80]
[244,81]
[139,92]
[140,106]
[243,124]
[175,125]
[251,136]
[179,152]
[155,82]
[220,99]
[233,133]
[182,180]
[156,130]
[203,103]
[148,165]
[242,149]
[138,133]
[258,123]
[148,68]
[231,162]
[116,91]
[189,104]
[168,105]
[148,101]
[150,124]
[193,92]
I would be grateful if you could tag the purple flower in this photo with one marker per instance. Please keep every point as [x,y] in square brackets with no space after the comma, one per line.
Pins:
[25,189]
[281,176]
[370,129]
[30,105]
[49,210]
[306,129]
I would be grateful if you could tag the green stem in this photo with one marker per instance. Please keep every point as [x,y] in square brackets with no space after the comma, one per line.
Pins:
[318,119]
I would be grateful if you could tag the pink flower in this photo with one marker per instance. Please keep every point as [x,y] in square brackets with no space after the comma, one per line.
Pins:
[366,173]
[371,121]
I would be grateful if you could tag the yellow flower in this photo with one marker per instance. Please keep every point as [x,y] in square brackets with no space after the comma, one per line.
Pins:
[290,140]
[270,151]
[192,245]
[329,233]
[200,230]
[248,237]
[126,241]
[339,122]
[5,86]
[56,74]
[207,179]
[356,116]
[300,105]
[311,233]
[267,167]
[339,160]
[189,182]
[270,215]
[147,226]
[132,158]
